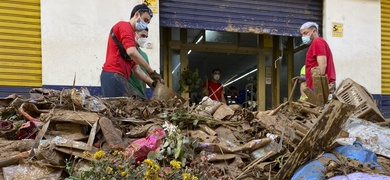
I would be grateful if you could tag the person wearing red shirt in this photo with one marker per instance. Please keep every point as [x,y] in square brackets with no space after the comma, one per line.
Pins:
[118,68]
[213,88]
[319,54]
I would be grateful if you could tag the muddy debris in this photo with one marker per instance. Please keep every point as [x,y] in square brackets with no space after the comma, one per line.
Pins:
[71,134]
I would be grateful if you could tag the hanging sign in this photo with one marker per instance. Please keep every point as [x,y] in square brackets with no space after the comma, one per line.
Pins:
[152,4]
[337,29]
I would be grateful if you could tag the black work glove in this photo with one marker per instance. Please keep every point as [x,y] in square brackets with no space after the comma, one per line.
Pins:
[156,77]
[298,78]
[153,84]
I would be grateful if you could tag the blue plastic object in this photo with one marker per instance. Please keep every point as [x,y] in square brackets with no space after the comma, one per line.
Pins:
[313,170]
[358,152]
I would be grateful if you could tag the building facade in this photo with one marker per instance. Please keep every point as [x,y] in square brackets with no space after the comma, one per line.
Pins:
[55,44]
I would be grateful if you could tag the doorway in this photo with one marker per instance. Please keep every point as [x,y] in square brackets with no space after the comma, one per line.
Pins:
[238,74]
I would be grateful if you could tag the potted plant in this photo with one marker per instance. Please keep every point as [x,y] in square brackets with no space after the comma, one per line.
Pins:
[189,80]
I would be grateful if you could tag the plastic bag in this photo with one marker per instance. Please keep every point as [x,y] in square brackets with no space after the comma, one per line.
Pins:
[140,148]
[358,152]
[314,170]
[359,175]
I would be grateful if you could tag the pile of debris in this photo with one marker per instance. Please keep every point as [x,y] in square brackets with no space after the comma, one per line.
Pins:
[71,134]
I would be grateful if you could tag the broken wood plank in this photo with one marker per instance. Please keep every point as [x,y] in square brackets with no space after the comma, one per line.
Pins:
[39,137]
[318,90]
[301,127]
[46,151]
[113,138]
[78,153]
[325,87]
[78,117]
[13,160]
[62,142]
[207,129]
[322,135]
[273,112]
[92,134]
[255,162]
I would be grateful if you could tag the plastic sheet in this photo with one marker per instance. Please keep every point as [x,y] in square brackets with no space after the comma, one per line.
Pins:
[313,170]
[316,169]
[229,147]
[30,172]
[356,151]
[374,137]
[85,100]
[359,175]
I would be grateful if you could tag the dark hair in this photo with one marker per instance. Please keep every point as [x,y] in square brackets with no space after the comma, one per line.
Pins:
[233,88]
[141,8]
[147,30]
[212,72]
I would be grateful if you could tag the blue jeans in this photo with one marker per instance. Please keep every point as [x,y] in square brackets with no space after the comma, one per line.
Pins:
[116,85]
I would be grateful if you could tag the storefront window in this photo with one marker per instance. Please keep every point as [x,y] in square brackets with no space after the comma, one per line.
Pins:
[221,37]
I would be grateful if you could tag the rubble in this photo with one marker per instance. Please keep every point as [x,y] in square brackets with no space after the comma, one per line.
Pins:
[69,133]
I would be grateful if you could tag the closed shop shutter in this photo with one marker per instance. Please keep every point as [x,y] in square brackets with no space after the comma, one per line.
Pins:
[385,21]
[277,17]
[20,43]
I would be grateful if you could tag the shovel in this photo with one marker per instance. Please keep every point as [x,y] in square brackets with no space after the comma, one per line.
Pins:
[292,92]
[163,93]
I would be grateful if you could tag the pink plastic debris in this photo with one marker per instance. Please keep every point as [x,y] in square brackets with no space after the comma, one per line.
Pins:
[140,148]
[27,131]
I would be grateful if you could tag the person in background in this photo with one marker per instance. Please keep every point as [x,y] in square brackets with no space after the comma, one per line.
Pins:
[234,93]
[122,55]
[318,54]
[303,83]
[137,78]
[213,88]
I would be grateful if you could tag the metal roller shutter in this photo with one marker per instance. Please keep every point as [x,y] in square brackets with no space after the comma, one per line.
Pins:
[385,44]
[277,17]
[20,43]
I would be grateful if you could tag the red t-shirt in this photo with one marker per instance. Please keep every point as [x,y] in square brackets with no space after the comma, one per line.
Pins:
[114,61]
[213,86]
[319,47]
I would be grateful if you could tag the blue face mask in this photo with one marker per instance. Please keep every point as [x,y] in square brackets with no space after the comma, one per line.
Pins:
[306,39]
[141,25]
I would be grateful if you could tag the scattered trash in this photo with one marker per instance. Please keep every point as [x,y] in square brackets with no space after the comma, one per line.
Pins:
[315,169]
[375,138]
[74,130]
[356,151]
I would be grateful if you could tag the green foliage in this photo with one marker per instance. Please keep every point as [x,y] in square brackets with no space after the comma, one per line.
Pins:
[176,147]
[175,160]
[110,166]
[189,79]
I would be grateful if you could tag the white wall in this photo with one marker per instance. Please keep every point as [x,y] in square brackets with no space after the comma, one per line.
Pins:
[75,34]
[357,54]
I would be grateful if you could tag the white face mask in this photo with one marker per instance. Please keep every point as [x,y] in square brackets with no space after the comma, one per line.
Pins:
[216,76]
[306,40]
[142,42]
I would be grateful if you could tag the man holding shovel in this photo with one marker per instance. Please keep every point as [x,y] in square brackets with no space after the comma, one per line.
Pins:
[319,54]
[213,88]
[122,55]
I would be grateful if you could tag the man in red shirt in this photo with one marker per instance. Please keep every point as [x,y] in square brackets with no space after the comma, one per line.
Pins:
[117,68]
[319,54]
[213,88]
